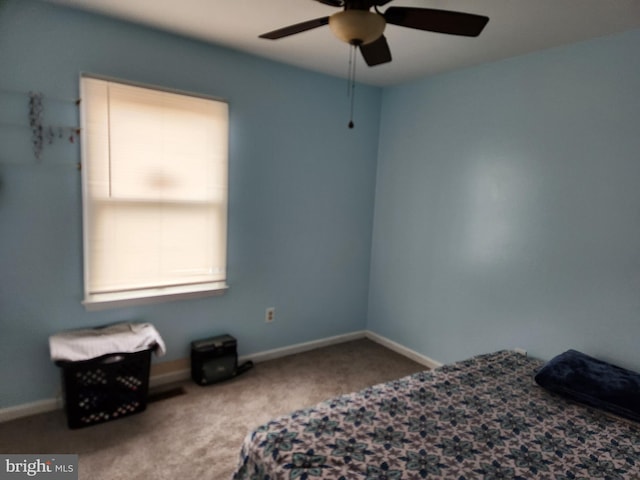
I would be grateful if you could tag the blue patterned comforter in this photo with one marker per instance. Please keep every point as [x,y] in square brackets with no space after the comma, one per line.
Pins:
[483,418]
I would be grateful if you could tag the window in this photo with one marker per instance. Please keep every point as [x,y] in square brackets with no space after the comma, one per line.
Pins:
[154,193]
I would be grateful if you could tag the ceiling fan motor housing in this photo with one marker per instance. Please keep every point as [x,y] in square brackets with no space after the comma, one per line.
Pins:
[357,27]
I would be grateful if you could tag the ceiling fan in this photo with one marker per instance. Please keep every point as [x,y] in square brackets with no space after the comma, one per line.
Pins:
[363,28]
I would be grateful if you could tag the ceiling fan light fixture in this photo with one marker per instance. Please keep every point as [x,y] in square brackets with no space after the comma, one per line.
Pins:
[357,27]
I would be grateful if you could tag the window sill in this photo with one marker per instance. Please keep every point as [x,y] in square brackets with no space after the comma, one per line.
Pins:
[104,301]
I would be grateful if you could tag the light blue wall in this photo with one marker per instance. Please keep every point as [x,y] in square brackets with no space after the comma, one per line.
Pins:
[301,193]
[508,207]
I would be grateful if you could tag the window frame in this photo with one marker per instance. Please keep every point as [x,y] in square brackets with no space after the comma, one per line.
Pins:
[149,295]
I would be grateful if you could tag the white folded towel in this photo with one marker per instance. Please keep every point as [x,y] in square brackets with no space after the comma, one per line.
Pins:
[77,345]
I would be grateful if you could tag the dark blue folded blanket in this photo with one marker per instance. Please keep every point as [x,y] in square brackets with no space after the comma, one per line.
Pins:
[593,382]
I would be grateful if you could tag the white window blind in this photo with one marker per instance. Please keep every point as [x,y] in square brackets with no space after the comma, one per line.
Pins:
[154,192]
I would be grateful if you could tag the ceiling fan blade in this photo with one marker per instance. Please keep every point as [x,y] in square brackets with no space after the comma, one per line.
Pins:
[441,21]
[333,3]
[376,52]
[297,28]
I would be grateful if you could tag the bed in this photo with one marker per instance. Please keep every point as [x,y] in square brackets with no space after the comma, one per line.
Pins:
[482,418]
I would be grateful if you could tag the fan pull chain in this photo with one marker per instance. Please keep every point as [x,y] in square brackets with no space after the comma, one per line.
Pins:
[352,80]
[349,70]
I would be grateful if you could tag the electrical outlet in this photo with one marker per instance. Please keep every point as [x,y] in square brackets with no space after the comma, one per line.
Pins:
[270,314]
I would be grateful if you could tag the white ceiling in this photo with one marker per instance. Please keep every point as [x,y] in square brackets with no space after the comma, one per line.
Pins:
[515,27]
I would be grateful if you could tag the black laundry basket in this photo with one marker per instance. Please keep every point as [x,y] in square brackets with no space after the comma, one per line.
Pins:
[105,388]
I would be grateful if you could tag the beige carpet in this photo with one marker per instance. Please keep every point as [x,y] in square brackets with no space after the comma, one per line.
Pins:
[198,435]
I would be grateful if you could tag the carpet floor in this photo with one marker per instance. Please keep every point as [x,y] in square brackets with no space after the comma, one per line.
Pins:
[197,435]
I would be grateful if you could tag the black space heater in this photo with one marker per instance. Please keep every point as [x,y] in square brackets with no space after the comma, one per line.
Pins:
[216,359]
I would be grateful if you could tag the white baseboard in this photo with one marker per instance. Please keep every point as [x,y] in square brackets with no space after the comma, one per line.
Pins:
[28,409]
[304,347]
[185,373]
[402,350]
[167,378]
[52,404]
